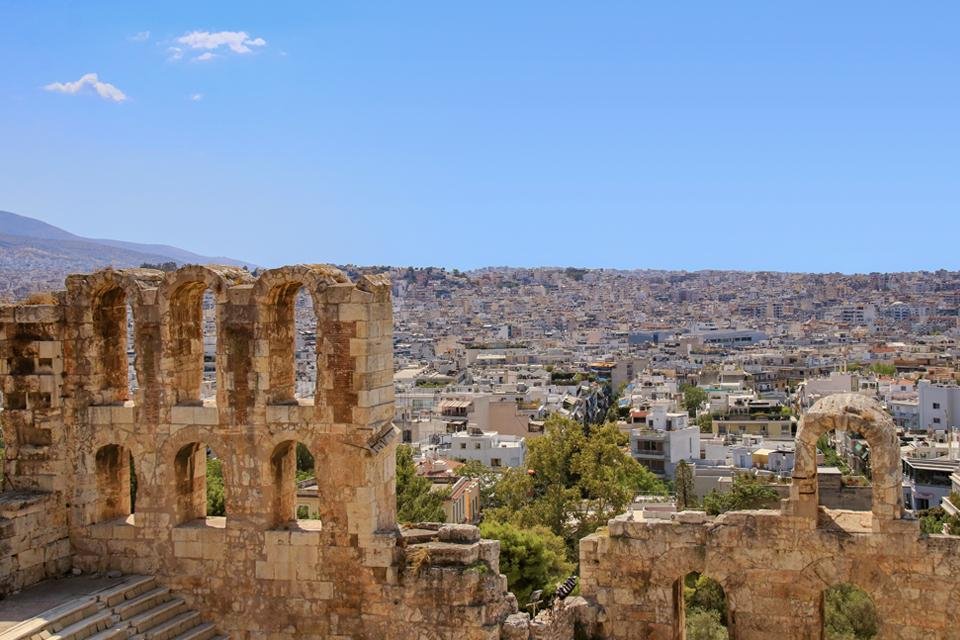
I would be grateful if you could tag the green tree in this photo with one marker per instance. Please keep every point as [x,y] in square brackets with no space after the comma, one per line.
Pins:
[305,463]
[705,422]
[937,521]
[849,614]
[486,477]
[706,608]
[883,369]
[693,398]
[683,478]
[416,501]
[704,625]
[574,482]
[747,493]
[215,501]
[531,558]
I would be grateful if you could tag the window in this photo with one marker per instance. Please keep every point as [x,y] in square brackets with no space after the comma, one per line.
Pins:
[200,485]
[476,445]
[296,492]
[116,484]
[463,445]
[936,421]
[936,405]
[494,462]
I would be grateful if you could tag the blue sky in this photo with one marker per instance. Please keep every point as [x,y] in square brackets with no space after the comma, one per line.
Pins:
[753,135]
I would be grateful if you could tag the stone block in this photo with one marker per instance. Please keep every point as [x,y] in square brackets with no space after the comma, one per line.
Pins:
[459,533]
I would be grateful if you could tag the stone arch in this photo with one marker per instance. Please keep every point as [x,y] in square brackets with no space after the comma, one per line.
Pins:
[275,293]
[113,464]
[283,467]
[181,300]
[105,297]
[858,619]
[187,482]
[858,413]
[665,586]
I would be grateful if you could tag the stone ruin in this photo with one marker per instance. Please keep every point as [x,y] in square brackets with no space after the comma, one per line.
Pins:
[75,433]
[774,566]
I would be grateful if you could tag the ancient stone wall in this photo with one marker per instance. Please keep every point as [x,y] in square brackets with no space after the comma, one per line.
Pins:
[34,544]
[75,435]
[774,566]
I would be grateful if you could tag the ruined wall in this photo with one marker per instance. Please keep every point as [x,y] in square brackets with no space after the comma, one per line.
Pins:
[774,566]
[75,435]
[33,540]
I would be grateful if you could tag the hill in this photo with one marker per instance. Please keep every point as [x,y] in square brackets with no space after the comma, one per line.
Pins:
[36,256]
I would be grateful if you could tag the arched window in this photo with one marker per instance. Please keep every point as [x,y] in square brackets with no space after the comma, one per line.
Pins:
[296,499]
[112,322]
[193,334]
[700,608]
[116,484]
[305,346]
[131,345]
[290,324]
[200,487]
[849,614]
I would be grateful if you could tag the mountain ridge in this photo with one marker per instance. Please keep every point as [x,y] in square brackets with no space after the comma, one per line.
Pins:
[15,224]
[38,256]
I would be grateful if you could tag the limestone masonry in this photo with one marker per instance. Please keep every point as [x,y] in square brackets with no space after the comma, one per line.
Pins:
[72,429]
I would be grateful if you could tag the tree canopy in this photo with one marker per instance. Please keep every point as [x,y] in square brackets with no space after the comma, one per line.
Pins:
[849,614]
[576,479]
[747,493]
[683,479]
[693,398]
[706,608]
[416,501]
[532,559]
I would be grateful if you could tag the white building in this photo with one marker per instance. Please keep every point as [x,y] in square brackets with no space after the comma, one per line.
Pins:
[939,405]
[488,447]
[667,439]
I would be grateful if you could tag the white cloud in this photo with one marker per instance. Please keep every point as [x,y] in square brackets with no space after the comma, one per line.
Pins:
[174,53]
[236,41]
[142,36]
[105,90]
[196,97]
[203,57]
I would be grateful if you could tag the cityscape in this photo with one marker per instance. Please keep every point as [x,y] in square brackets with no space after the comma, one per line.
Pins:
[501,321]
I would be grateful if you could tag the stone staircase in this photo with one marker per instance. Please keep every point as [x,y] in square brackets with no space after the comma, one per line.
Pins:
[136,609]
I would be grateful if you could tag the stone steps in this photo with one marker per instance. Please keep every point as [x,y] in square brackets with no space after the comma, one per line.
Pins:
[137,609]
[171,628]
[157,615]
[143,602]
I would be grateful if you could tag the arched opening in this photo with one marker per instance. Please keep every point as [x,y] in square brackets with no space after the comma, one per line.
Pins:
[296,494]
[290,325]
[849,613]
[853,413]
[201,498]
[132,382]
[700,607]
[208,387]
[116,484]
[305,345]
[844,478]
[193,335]
[112,324]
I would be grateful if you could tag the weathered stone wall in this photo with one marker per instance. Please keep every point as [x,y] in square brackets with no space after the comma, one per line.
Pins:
[774,566]
[33,539]
[75,432]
